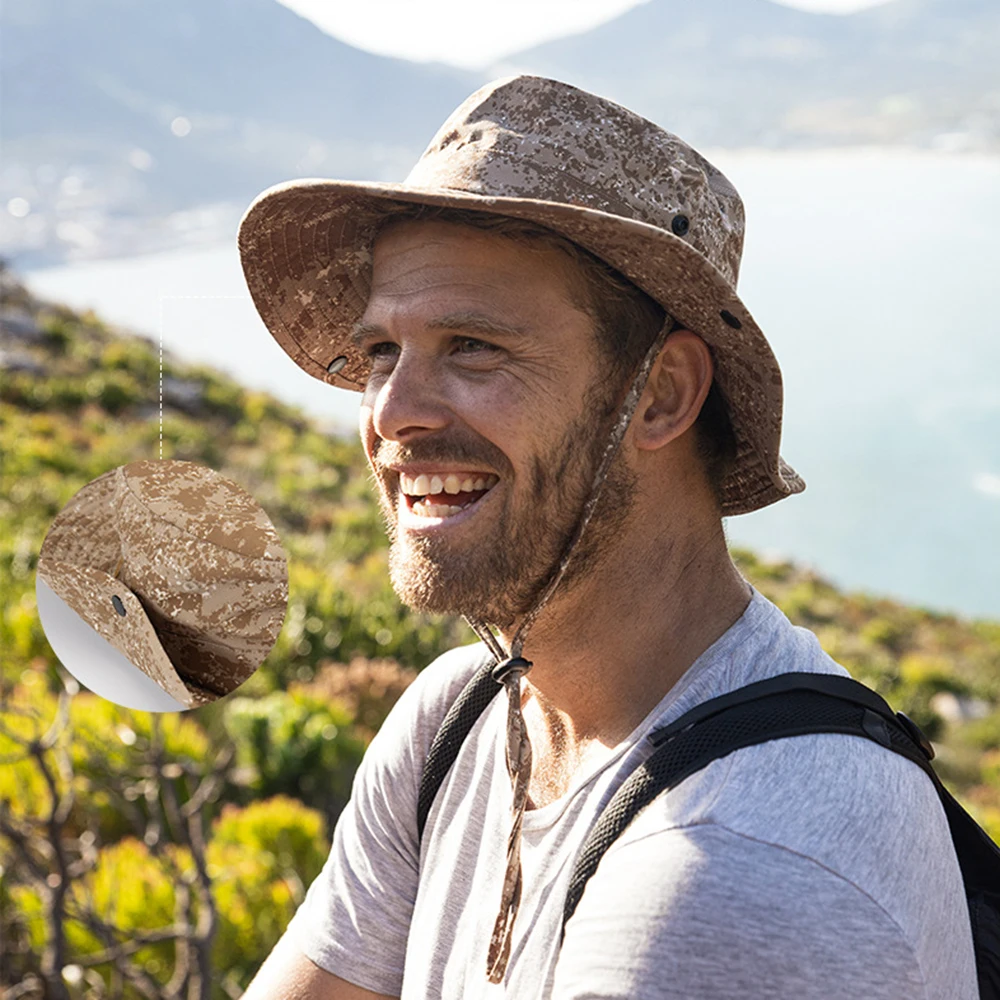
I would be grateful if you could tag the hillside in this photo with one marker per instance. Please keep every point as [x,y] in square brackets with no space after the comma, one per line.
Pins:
[235,800]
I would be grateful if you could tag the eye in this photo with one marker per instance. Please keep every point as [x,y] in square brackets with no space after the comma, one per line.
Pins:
[471,345]
[382,349]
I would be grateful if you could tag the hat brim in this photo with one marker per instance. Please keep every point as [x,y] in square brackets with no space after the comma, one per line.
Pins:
[79,560]
[89,592]
[306,250]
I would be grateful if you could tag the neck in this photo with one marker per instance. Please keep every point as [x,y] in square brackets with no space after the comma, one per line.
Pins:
[608,650]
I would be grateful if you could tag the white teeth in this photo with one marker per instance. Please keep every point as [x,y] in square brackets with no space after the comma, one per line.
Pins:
[425,485]
[435,509]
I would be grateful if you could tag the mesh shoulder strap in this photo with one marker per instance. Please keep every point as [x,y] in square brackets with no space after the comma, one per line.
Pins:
[465,710]
[793,704]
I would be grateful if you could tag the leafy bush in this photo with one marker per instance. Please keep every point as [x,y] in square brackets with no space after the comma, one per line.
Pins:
[261,860]
[931,673]
[885,632]
[130,890]
[367,688]
[296,744]
[983,733]
[143,794]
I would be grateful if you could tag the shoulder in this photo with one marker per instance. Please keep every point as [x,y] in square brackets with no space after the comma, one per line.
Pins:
[406,735]
[355,919]
[436,687]
[825,847]
[815,866]
[854,807]
[705,911]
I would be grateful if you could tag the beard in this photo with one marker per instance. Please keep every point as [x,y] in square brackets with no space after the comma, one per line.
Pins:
[500,576]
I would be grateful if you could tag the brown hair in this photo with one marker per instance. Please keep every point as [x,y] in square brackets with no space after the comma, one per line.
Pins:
[626,321]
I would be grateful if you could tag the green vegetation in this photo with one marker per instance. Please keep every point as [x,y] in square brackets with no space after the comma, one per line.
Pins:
[148,856]
[141,852]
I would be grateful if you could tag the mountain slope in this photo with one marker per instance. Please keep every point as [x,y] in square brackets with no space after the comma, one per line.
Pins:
[758,73]
[78,398]
[91,89]
[129,127]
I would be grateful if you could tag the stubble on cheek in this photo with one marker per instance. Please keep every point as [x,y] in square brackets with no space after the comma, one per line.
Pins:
[439,575]
[498,575]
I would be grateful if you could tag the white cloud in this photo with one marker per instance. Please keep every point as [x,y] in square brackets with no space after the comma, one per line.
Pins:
[988,483]
[474,35]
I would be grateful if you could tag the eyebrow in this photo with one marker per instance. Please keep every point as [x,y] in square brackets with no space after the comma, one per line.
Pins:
[466,321]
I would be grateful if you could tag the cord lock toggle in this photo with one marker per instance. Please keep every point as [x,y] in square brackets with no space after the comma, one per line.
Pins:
[516,666]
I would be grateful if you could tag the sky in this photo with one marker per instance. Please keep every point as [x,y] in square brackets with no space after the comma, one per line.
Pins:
[471,35]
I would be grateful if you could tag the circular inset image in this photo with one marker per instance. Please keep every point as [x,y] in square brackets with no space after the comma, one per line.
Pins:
[162,585]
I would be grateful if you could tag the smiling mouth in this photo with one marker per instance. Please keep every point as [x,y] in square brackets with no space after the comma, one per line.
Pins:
[444,496]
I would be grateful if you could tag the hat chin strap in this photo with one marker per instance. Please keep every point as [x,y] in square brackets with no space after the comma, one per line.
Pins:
[510,668]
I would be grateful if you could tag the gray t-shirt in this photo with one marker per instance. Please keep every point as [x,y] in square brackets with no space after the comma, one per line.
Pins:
[806,868]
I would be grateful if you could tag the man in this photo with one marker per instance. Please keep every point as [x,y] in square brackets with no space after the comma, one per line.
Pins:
[563,396]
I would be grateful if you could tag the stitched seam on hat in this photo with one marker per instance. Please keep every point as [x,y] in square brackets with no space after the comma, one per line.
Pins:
[203,541]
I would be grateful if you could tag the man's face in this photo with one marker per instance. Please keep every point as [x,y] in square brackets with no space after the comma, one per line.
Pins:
[483,419]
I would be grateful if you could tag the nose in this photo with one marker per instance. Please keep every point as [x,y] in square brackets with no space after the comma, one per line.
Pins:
[407,402]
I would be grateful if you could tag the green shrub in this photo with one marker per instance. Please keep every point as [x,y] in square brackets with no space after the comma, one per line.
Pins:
[983,733]
[261,860]
[58,332]
[114,391]
[930,673]
[224,399]
[296,744]
[130,889]
[140,360]
[885,632]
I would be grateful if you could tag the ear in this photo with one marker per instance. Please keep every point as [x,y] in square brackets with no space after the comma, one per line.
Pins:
[675,391]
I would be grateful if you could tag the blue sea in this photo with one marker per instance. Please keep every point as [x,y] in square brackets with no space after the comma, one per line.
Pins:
[874,275]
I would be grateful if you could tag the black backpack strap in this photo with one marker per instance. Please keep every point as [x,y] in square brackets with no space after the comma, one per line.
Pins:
[978,855]
[792,704]
[465,710]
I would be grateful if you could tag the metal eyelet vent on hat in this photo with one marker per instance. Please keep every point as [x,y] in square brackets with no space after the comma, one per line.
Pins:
[337,364]
[680,225]
[730,320]
[118,606]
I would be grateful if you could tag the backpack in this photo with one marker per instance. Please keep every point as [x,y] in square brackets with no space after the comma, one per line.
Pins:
[792,704]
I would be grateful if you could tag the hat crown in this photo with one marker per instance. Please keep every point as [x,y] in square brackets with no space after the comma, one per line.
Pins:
[531,137]
[202,504]
[204,557]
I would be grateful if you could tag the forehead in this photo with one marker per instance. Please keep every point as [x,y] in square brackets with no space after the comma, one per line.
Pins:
[417,262]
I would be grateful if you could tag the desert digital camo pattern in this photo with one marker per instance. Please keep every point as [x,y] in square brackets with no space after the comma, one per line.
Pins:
[89,592]
[632,193]
[195,561]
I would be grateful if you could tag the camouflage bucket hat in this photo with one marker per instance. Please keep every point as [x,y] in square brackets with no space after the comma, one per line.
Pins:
[630,192]
[176,567]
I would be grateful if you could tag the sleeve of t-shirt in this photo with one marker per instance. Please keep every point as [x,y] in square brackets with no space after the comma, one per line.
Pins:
[705,912]
[355,918]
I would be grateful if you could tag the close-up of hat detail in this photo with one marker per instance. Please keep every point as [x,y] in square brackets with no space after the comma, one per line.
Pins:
[178,568]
